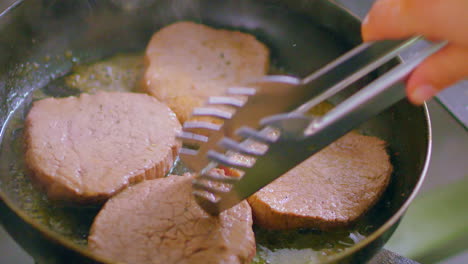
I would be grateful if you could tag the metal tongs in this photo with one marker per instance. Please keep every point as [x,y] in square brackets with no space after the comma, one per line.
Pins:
[260,114]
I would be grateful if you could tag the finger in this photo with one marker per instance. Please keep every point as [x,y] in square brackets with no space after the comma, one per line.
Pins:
[435,19]
[386,19]
[441,70]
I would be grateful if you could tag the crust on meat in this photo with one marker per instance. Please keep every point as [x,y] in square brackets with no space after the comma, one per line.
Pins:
[158,221]
[84,149]
[330,189]
[187,62]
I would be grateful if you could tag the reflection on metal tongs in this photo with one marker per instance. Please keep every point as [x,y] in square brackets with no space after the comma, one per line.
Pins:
[262,115]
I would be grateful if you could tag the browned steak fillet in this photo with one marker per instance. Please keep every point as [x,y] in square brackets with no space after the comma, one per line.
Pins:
[187,62]
[158,221]
[330,189]
[87,148]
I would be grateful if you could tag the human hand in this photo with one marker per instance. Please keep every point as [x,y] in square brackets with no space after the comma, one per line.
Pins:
[434,19]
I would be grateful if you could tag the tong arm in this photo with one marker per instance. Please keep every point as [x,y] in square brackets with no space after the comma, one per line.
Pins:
[367,102]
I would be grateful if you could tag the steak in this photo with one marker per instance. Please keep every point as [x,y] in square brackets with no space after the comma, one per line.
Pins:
[330,189]
[85,149]
[158,221]
[188,62]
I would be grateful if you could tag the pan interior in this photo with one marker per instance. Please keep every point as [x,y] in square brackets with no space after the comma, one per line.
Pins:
[46,51]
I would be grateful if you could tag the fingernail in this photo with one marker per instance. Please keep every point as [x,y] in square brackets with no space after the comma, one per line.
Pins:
[423,93]
[366,20]
[365,28]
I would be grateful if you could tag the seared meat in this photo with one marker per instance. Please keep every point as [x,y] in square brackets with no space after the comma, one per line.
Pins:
[158,221]
[332,188]
[87,148]
[188,62]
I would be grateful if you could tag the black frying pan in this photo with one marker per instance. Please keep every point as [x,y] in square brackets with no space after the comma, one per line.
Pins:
[41,40]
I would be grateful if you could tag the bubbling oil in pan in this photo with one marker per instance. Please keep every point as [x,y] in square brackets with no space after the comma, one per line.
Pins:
[122,73]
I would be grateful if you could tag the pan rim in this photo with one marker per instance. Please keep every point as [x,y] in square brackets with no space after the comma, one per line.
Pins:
[57,238]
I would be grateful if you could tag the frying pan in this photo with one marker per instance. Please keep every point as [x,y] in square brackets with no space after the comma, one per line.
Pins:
[40,40]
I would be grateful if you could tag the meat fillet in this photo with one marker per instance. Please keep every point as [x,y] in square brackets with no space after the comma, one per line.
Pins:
[330,189]
[158,221]
[87,148]
[187,62]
